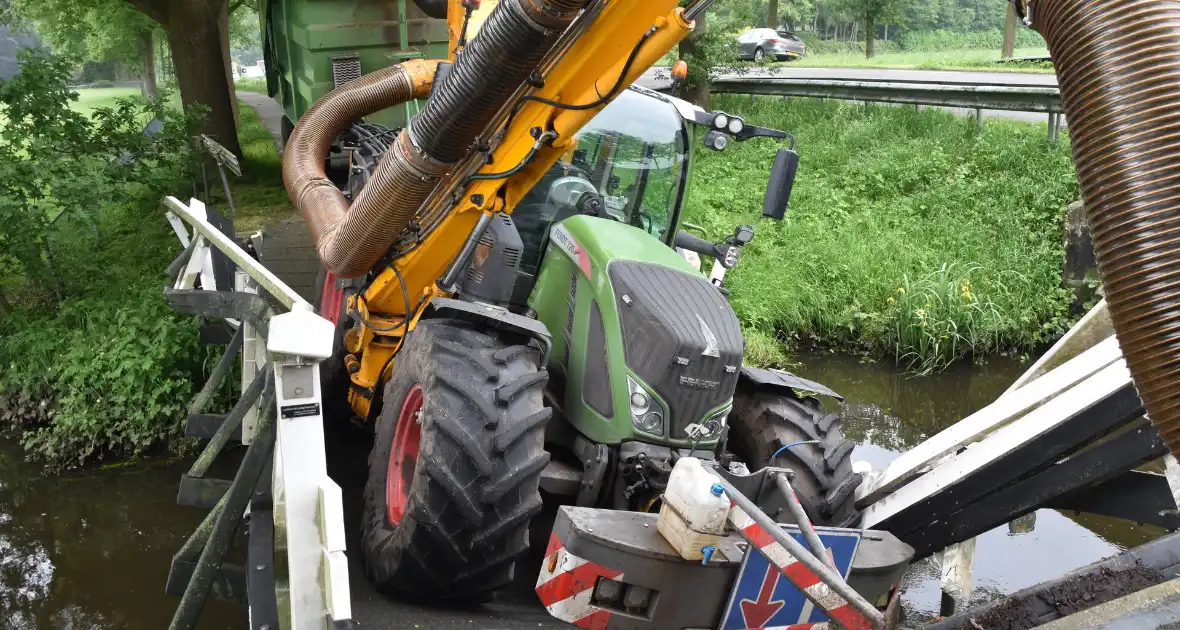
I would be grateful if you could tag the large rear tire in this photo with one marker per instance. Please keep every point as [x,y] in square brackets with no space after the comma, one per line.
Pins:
[455,469]
[764,422]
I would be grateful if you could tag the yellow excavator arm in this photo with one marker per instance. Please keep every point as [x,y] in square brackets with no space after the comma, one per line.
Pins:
[496,121]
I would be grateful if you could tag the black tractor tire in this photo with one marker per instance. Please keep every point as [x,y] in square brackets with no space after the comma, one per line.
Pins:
[763,422]
[475,483]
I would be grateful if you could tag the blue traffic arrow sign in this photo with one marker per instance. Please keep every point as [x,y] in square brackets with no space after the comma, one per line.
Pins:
[763,597]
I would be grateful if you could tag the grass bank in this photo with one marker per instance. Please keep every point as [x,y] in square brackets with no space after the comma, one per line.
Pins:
[909,234]
[251,85]
[972,60]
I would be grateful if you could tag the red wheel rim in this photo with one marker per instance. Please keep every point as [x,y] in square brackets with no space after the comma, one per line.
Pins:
[403,456]
[330,298]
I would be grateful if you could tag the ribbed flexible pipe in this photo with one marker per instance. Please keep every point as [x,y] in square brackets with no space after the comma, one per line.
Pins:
[336,231]
[508,47]
[1118,65]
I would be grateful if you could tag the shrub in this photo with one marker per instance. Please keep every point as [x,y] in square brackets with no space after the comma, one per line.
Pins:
[940,40]
[91,361]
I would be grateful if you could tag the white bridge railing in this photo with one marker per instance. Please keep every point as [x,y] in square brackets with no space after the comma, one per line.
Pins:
[306,543]
[1074,378]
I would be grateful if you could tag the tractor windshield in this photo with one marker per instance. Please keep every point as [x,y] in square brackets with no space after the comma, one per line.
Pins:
[634,154]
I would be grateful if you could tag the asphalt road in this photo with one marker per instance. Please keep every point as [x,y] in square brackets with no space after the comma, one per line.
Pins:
[657,78]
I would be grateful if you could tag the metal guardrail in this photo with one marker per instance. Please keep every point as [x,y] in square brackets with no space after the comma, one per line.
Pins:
[296,575]
[1021,98]
[977,96]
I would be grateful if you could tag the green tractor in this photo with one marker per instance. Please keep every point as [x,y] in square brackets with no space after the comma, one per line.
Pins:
[645,362]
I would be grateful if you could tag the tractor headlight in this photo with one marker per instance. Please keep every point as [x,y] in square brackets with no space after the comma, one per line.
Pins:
[721,121]
[639,401]
[646,413]
[652,422]
[716,140]
[736,125]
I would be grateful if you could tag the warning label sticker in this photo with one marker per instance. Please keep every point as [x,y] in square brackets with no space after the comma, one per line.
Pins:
[300,411]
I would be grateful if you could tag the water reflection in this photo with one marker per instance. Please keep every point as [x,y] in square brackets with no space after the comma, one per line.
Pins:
[888,412]
[91,551]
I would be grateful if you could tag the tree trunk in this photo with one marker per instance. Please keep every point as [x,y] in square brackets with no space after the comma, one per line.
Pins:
[163,60]
[223,32]
[195,40]
[698,90]
[5,307]
[1010,20]
[870,36]
[886,38]
[147,64]
[772,14]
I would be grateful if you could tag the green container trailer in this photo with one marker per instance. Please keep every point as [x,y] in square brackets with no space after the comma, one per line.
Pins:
[312,46]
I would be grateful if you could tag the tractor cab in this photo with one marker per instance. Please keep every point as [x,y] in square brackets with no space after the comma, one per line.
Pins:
[629,165]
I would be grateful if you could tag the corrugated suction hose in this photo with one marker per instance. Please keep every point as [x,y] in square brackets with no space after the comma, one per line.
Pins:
[1118,65]
[336,229]
[512,41]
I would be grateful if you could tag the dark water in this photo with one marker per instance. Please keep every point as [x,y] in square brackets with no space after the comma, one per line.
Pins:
[888,413]
[91,551]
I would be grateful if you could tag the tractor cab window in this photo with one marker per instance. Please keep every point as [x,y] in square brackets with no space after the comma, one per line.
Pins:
[634,154]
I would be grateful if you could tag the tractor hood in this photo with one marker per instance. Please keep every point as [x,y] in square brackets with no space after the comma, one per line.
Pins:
[635,316]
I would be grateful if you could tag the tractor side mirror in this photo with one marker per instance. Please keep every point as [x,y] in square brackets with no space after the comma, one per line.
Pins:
[782,180]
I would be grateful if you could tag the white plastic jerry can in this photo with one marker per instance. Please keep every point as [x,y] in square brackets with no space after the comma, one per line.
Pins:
[694,511]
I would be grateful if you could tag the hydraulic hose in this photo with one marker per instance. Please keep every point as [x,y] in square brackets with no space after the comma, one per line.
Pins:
[509,46]
[1118,65]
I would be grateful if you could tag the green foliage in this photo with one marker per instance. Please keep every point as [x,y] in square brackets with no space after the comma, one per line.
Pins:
[118,368]
[97,30]
[888,197]
[878,11]
[944,60]
[93,362]
[55,161]
[942,316]
[251,85]
[765,349]
[991,39]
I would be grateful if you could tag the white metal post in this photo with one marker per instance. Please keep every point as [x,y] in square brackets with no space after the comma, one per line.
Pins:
[309,520]
[253,356]
[308,511]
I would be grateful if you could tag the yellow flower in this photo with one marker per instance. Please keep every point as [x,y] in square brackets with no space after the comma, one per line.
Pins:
[901,289]
[890,300]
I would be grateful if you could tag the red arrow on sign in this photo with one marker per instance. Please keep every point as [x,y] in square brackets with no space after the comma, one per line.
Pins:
[757,613]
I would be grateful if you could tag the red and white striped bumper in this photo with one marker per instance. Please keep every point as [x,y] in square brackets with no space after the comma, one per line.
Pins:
[566,586]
